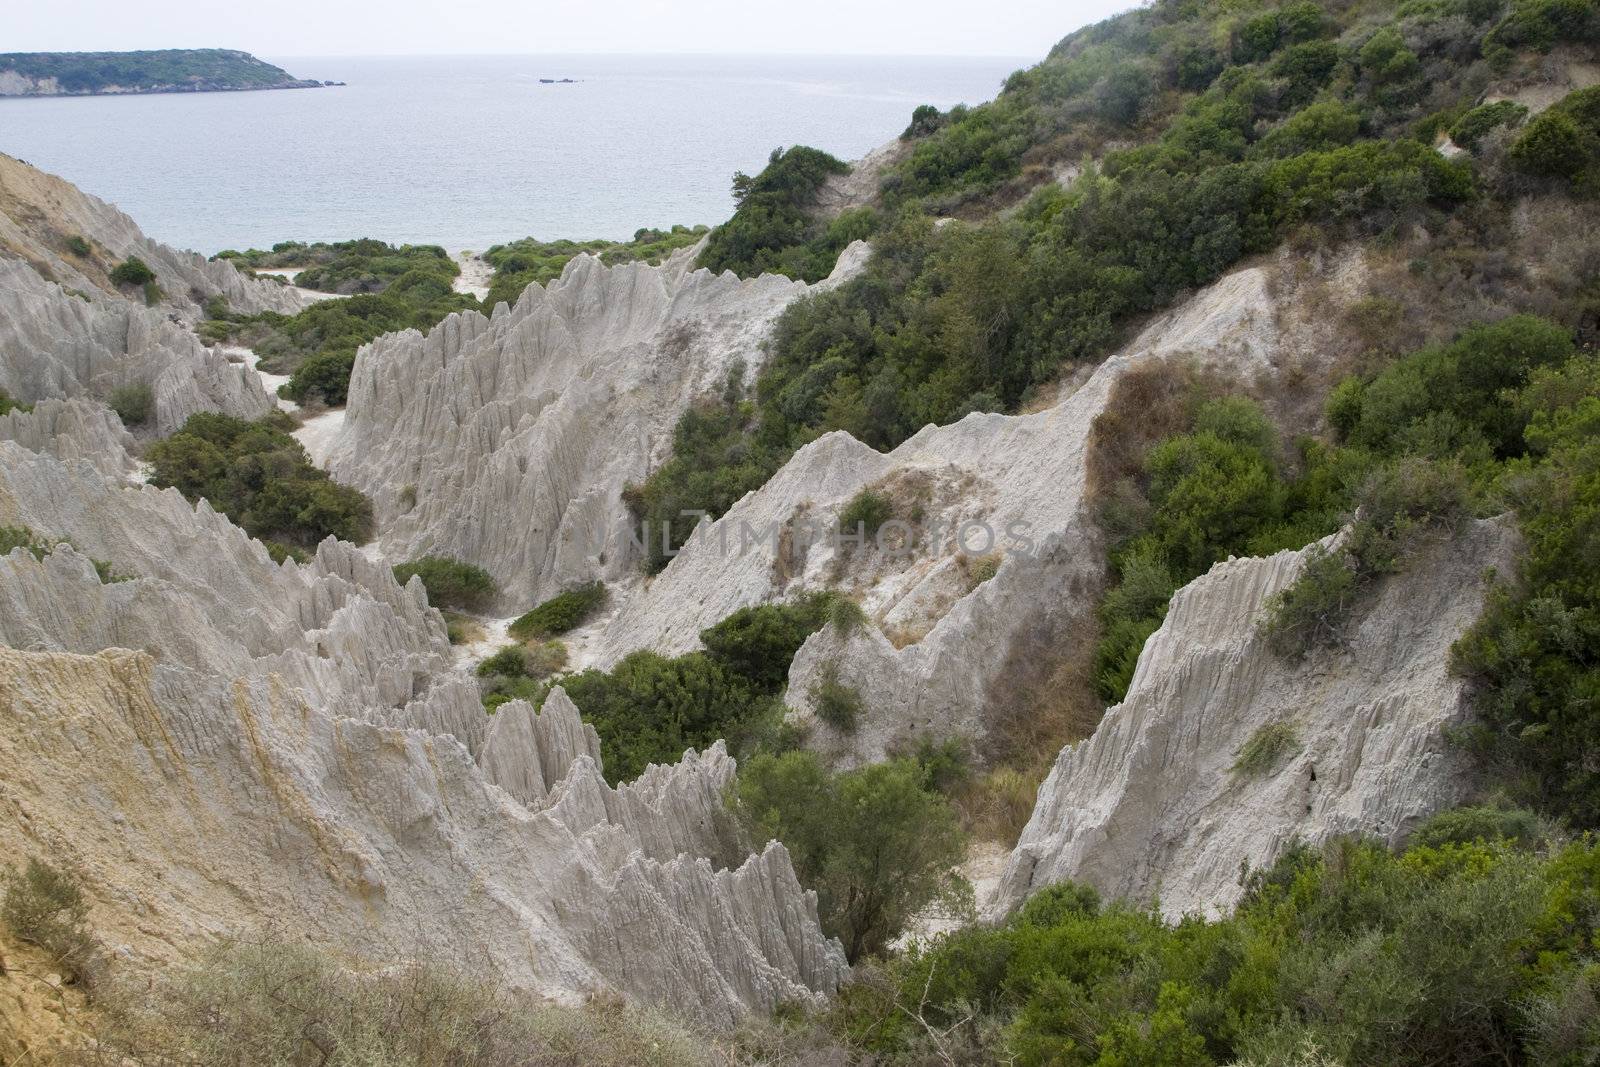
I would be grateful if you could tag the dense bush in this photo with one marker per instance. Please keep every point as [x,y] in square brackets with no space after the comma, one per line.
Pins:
[361,266]
[261,478]
[134,404]
[759,643]
[536,661]
[1471,128]
[451,583]
[878,844]
[1531,655]
[78,246]
[562,612]
[132,271]
[772,229]
[324,378]
[1338,952]
[1564,142]
[650,709]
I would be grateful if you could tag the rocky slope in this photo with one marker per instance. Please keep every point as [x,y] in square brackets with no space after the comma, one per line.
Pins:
[40,214]
[1153,805]
[56,344]
[315,763]
[516,433]
[939,638]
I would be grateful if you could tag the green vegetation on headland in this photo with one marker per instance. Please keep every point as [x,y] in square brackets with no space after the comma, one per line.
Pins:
[171,70]
[524,262]
[349,267]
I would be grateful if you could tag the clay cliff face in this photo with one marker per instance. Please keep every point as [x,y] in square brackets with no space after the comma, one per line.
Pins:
[1153,805]
[1021,475]
[516,433]
[67,331]
[217,742]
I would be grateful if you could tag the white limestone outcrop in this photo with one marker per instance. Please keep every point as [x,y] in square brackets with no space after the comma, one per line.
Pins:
[72,430]
[57,345]
[1150,807]
[217,742]
[515,434]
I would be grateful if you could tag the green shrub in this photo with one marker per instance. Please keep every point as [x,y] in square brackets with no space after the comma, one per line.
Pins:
[877,844]
[258,475]
[865,513]
[1471,128]
[524,661]
[563,612]
[324,377]
[1315,609]
[650,709]
[132,271]
[759,643]
[1462,826]
[451,583]
[78,246]
[8,405]
[1265,749]
[134,404]
[836,704]
[44,906]
[1338,951]
[771,230]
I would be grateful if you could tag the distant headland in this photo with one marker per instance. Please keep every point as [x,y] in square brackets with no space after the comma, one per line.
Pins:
[171,70]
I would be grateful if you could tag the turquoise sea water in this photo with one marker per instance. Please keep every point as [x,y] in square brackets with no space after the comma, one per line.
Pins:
[469,151]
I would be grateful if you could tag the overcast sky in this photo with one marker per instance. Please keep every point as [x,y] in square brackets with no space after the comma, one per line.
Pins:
[497,27]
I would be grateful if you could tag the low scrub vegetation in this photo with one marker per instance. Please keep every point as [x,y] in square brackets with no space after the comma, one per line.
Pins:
[772,229]
[349,267]
[261,478]
[1334,956]
[451,583]
[44,906]
[132,271]
[15,537]
[563,612]
[134,404]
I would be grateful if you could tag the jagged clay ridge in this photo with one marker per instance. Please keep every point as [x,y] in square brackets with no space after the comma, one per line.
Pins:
[219,742]
[515,434]
[40,213]
[55,345]
[72,430]
[993,469]
[1151,805]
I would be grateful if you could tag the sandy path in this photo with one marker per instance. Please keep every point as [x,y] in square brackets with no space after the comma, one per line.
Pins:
[475,276]
[241,354]
[305,294]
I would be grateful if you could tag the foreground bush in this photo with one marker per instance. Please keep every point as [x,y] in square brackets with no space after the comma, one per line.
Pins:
[878,844]
[1341,950]
[562,612]
[258,475]
[132,271]
[451,583]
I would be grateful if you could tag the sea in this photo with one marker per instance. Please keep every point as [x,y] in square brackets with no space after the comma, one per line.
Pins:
[470,151]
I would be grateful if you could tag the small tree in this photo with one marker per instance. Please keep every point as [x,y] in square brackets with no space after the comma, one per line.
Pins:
[876,843]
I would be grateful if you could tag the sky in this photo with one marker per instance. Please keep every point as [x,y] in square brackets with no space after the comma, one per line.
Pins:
[503,27]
